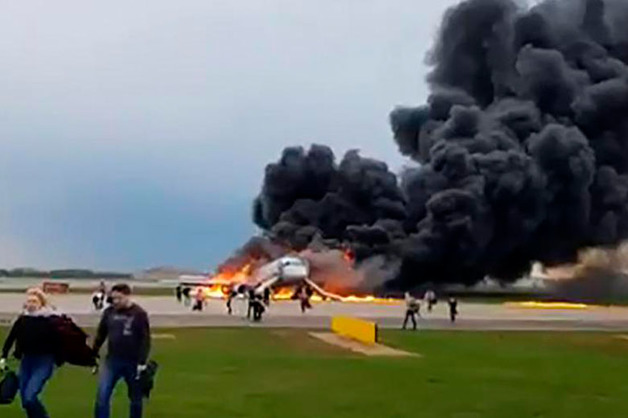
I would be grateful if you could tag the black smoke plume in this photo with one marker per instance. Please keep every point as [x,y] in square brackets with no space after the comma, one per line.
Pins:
[522,148]
[307,195]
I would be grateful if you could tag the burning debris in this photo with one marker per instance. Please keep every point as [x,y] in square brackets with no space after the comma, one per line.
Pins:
[521,146]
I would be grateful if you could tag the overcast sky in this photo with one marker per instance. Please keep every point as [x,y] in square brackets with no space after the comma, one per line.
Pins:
[135,133]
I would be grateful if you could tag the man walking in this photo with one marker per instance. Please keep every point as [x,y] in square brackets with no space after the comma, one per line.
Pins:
[430,299]
[251,308]
[186,296]
[412,310]
[304,298]
[199,300]
[178,292]
[125,325]
[453,309]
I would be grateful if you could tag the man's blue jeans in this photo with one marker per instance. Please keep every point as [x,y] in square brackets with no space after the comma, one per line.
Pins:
[112,372]
[35,370]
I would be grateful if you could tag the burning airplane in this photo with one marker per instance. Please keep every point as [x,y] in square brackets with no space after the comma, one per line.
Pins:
[284,276]
[521,150]
[521,145]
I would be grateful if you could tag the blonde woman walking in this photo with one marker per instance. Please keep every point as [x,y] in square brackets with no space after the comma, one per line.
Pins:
[35,340]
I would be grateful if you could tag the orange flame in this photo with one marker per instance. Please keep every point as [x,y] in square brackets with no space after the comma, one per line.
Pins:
[284,293]
[219,285]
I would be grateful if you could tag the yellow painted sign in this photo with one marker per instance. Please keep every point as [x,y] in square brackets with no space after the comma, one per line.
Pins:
[357,329]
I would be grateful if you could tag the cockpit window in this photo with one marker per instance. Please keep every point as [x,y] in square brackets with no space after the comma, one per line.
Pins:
[292,262]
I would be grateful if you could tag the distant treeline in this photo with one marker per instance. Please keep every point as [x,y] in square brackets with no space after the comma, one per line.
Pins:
[64,274]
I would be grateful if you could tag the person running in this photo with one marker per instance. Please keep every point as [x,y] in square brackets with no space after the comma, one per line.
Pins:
[199,300]
[258,308]
[126,327]
[231,295]
[453,309]
[36,342]
[178,292]
[99,296]
[251,303]
[98,300]
[304,299]
[430,299]
[102,287]
[412,310]
[186,296]
[267,296]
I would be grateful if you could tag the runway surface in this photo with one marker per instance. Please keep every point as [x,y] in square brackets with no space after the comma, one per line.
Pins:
[166,312]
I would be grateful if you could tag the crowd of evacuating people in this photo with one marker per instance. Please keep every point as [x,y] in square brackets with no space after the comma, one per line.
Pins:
[256,302]
[42,339]
[413,308]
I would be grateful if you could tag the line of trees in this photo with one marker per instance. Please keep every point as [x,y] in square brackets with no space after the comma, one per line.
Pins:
[63,274]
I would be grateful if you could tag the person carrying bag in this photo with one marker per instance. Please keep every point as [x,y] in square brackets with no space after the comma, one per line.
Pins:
[35,342]
[43,339]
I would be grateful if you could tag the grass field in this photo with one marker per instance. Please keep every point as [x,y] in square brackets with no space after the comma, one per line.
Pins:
[285,373]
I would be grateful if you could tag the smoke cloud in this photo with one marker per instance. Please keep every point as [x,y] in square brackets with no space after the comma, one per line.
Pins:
[337,274]
[522,148]
[601,276]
